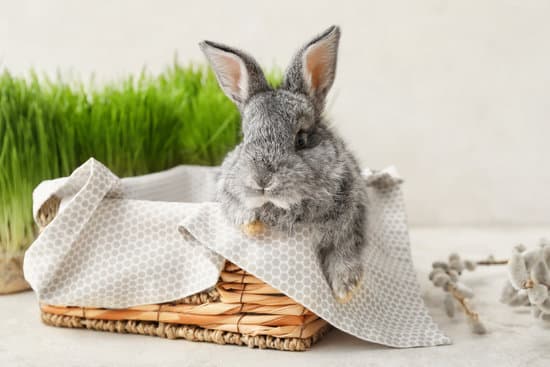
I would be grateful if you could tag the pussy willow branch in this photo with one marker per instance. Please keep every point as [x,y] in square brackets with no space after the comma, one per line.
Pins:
[492,262]
[463,301]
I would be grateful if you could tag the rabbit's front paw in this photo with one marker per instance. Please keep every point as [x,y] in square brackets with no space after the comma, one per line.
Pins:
[276,218]
[344,281]
[250,223]
[253,228]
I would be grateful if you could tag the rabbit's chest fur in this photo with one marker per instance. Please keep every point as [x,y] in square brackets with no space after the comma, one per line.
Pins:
[333,199]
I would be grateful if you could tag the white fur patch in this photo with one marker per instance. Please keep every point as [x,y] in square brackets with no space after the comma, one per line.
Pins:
[281,203]
[257,201]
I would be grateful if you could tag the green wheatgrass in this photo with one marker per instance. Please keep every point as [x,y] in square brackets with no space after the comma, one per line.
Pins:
[145,123]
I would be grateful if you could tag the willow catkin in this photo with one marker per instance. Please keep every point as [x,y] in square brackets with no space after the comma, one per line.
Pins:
[520,248]
[446,276]
[464,290]
[508,292]
[449,304]
[477,326]
[540,273]
[453,274]
[546,255]
[441,279]
[530,276]
[537,294]
[441,265]
[470,265]
[545,306]
[456,265]
[436,271]
[454,256]
[531,257]
[517,271]
[520,299]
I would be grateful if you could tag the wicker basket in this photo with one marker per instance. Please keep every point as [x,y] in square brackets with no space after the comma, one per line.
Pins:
[240,310]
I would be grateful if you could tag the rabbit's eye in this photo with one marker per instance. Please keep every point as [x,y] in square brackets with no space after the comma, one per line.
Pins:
[301,140]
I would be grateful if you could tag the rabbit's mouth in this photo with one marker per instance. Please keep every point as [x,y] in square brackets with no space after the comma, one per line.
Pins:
[259,201]
[256,198]
[258,191]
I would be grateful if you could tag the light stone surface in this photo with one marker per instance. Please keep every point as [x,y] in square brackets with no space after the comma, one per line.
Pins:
[514,339]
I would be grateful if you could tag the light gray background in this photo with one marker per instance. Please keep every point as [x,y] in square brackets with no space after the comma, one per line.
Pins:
[455,93]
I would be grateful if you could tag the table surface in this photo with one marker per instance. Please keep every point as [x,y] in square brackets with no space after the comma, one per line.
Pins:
[514,338]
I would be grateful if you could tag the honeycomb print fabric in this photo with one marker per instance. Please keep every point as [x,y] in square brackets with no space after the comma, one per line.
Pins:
[123,242]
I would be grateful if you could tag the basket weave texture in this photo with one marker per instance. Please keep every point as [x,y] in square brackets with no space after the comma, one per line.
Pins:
[240,310]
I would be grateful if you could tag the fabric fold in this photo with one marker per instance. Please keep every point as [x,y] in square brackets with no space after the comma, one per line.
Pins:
[88,184]
[118,243]
[386,309]
[106,248]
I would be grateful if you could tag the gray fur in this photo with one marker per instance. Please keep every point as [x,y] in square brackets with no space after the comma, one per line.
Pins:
[256,79]
[271,178]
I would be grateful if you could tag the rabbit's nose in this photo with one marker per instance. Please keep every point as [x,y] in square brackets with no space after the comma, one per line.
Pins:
[260,181]
[263,181]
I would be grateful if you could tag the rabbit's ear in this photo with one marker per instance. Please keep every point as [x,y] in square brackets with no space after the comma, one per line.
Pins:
[314,67]
[238,74]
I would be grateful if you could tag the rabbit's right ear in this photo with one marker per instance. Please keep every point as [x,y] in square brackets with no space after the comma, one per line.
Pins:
[313,69]
[238,74]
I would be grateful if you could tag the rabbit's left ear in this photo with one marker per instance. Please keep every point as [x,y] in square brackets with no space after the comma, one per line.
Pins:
[238,74]
[313,69]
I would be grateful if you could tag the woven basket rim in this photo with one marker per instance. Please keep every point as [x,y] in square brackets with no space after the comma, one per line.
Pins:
[187,332]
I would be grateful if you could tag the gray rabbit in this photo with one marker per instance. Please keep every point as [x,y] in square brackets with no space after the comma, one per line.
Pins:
[291,169]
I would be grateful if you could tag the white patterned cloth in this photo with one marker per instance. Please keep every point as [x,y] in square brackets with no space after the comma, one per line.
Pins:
[118,243]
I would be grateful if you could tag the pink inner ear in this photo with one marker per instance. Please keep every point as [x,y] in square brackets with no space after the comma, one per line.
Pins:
[234,73]
[230,73]
[316,65]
